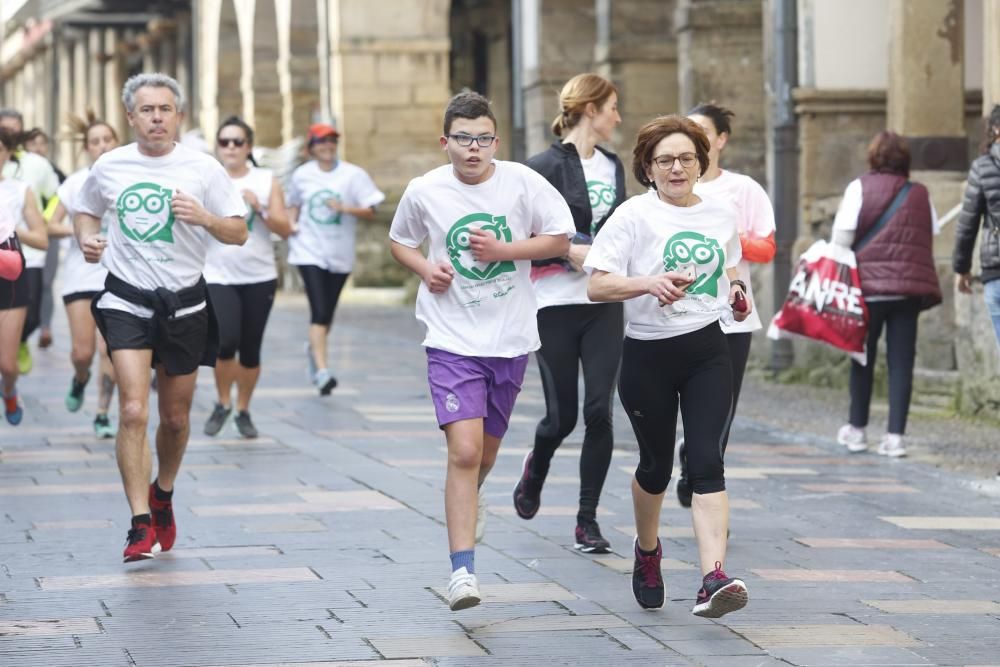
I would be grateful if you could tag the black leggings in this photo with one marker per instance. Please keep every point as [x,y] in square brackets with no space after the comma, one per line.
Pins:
[323,290]
[241,312]
[899,317]
[591,334]
[33,278]
[693,371]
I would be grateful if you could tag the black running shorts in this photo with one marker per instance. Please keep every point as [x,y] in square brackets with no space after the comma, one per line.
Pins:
[179,344]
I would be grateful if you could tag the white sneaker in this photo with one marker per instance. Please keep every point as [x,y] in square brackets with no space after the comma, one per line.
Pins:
[480,517]
[852,438]
[892,446]
[463,590]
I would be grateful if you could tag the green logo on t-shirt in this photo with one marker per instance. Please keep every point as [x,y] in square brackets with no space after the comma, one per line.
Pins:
[319,212]
[251,216]
[692,248]
[602,198]
[144,213]
[460,252]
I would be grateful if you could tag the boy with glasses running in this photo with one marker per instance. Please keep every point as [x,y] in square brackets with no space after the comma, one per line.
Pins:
[483,221]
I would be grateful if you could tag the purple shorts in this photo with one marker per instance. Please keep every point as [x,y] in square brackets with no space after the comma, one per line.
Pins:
[475,387]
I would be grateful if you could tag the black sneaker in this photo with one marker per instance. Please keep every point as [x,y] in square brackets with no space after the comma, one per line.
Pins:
[720,594]
[589,539]
[647,579]
[244,425]
[528,491]
[217,419]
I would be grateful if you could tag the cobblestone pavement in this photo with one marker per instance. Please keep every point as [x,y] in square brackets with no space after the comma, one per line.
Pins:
[323,542]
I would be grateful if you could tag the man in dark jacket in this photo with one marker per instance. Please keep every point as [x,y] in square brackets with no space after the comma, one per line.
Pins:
[981,207]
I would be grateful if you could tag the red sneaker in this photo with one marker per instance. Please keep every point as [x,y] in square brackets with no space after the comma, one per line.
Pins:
[163,519]
[141,543]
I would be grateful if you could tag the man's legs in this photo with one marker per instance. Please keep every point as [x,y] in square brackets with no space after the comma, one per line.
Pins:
[131,446]
[175,394]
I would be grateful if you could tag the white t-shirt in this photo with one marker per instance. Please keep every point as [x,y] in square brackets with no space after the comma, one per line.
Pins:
[570,287]
[489,310]
[12,194]
[147,247]
[755,219]
[77,274]
[253,262]
[326,237]
[646,236]
[37,172]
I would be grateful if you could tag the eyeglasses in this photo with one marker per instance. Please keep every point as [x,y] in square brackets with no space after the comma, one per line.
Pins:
[327,139]
[224,143]
[465,140]
[666,162]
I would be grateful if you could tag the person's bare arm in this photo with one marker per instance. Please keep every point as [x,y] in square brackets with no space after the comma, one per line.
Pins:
[437,277]
[277,219]
[59,226]
[738,315]
[230,230]
[666,287]
[88,235]
[35,235]
[486,247]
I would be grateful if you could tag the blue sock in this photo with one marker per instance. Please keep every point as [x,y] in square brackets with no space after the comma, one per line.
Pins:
[466,559]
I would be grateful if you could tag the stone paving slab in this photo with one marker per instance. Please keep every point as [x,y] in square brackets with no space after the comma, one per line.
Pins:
[323,542]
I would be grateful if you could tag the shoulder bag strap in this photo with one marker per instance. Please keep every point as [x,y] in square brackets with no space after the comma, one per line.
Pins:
[885,217]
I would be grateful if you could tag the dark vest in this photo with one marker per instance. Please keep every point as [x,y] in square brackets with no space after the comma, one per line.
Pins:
[899,259]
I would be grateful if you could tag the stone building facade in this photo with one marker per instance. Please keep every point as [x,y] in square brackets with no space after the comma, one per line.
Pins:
[383,72]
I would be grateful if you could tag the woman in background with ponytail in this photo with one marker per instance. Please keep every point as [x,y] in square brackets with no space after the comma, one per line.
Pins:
[82,280]
[242,279]
[572,328]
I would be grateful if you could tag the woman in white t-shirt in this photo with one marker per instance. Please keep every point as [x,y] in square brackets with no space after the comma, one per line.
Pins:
[82,281]
[672,257]
[242,279]
[574,330]
[755,224]
[19,207]
[326,198]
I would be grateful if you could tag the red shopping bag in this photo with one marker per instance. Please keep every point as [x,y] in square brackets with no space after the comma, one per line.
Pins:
[824,302]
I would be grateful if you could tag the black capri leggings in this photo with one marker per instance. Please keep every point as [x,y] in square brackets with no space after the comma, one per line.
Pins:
[693,371]
[241,312]
[323,290]
[590,334]
[33,280]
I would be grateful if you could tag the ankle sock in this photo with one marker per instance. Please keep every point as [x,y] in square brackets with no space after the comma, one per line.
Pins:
[466,559]
[142,520]
[10,402]
[643,552]
[160,494]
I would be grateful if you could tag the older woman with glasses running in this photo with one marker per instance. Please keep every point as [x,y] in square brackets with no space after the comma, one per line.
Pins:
[671,256]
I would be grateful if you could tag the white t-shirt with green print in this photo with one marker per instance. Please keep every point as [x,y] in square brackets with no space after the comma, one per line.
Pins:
[490,309]
[252,262]
[147,246]
[570,287]
[646,236]
[326,237]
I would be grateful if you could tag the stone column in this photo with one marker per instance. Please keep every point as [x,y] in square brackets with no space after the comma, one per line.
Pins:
[559,35]
[114,79]
[80,72]
[991,55]
[632,53]
[720,48]
[182,41]
[244,26]
[64,142]
[209,15]
[95,71]
[926,96]
[926,103]
[283,23]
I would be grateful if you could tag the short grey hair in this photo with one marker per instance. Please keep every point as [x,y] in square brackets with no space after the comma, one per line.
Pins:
[7,112]
[154,80]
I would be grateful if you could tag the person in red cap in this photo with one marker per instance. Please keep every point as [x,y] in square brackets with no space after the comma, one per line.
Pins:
[326,198]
